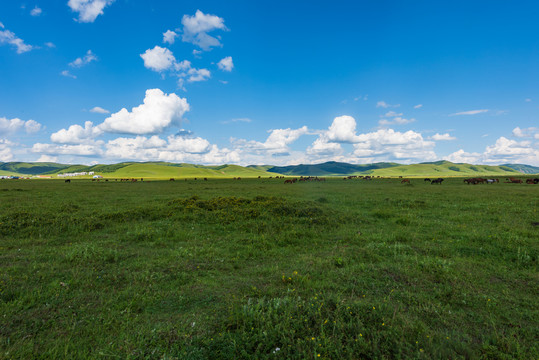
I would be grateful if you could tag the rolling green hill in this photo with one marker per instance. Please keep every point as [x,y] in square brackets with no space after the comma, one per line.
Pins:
[31,168]
[444,168]
[525,169]
[328,169]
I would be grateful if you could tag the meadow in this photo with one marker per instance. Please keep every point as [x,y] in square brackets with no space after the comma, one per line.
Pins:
[256,269]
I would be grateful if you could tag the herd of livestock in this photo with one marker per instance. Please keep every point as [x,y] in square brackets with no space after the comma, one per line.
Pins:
[470,181]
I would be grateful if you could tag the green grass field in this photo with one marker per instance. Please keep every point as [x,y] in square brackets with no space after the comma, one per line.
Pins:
[256,269]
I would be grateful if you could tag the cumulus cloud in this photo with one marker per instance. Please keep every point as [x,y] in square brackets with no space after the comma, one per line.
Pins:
[502,151]
[442,137]
[5,150]
[9,126]
[88,10]
[158,59]
[161,59]
[470,112]
[526,132]
[462,156]
[158,112]
[47,158]
[99,110]
[226,64]
[276,143]
[197,27]
[342,130]
[169,37]
[85,60]
[8,37]
[76,134]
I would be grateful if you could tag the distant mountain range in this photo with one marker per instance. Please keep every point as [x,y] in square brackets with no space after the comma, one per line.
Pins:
[332,168]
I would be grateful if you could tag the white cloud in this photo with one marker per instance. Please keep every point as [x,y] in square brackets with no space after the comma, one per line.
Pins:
[161,59]
[47,158]
[35,11]
[342,130]
[442,137]
[79,150]
[383,104]
[470,112]
[81,61]
[198,75]
[76,134]
[158,59]
[8,37]
[276,143]
[196,28]
[88,10]
[226,64]
[169,37]
[99,110]
[5,149]
[392,114]
[501,152]
[462,156]
[50,45]
[9,126]
[32,126]
[158,112]
[66,73]
[395,121]
[418,106]
[526,132]
[245,120]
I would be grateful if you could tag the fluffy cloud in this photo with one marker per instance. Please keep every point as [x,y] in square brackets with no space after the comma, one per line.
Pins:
[502,151]
[158,59]
[470,112]
[169,37]
[88,10]
[158,112]
[388,144]
[161,59]
[197,27]
[76,134]
[8,37]
[47,158]
[5,150]
[342,130]
[442,137]
[462,156]
[9,126]
[35,11]
[276,143]
[85,60]
[226,64]
[526,132]
[99,110]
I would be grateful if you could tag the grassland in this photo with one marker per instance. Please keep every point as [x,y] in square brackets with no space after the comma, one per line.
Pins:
[255,269]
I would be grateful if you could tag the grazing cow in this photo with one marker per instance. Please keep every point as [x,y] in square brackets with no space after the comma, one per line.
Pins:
[68,181]
[437,181]
[427,179]
[405,181]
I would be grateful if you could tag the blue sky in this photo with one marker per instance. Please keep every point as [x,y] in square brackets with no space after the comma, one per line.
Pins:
[269,82]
